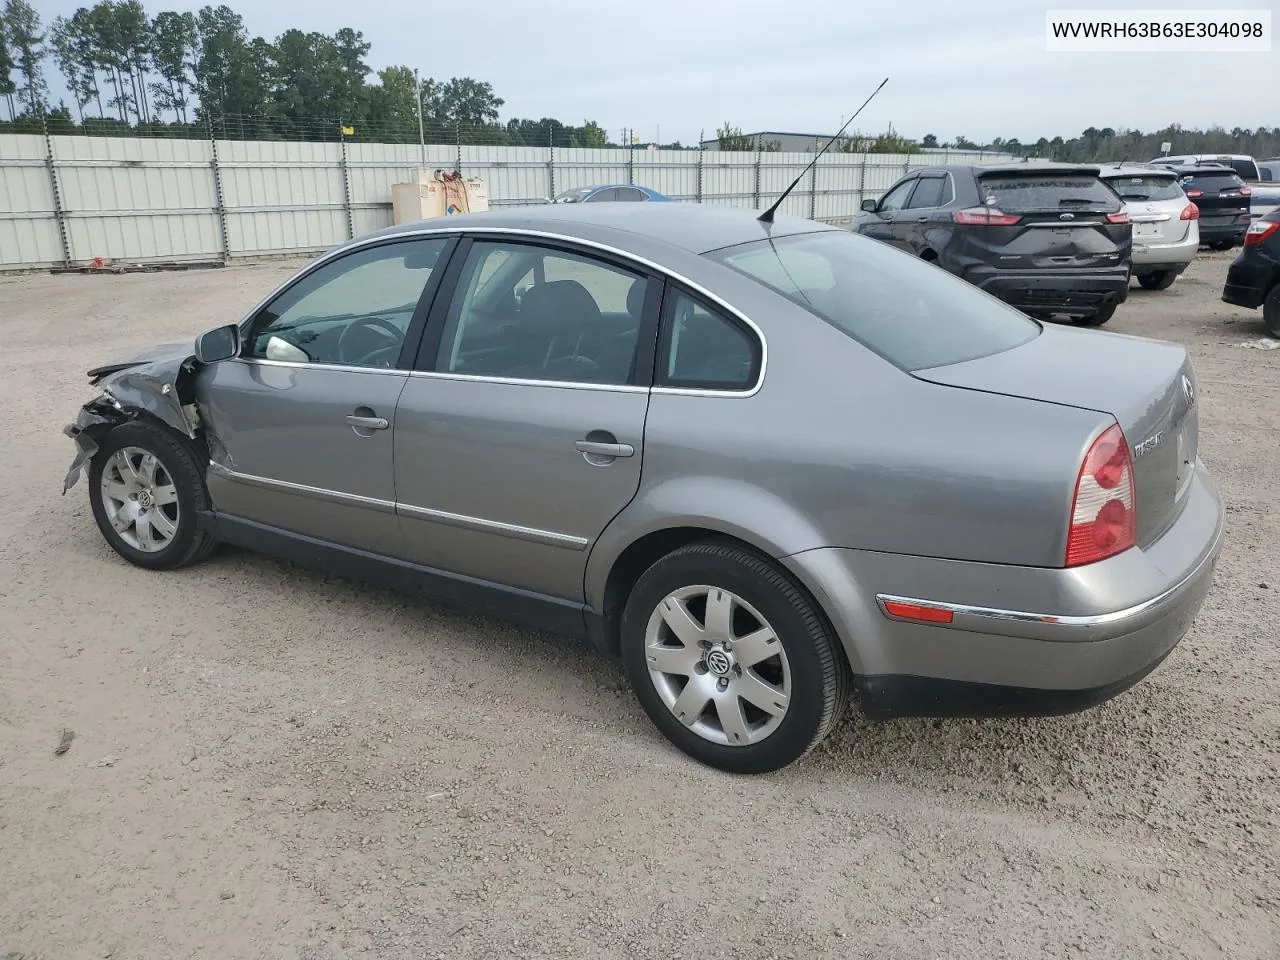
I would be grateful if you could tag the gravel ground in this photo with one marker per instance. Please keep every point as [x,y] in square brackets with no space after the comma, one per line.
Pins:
[271,763]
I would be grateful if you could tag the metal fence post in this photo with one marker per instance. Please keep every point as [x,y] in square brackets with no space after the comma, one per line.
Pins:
[551,162]
[756,190]
[57,194]
[219,200]
[457,136]
[631,157]
[862,181]
[700,151]
[813,191]
[346,190]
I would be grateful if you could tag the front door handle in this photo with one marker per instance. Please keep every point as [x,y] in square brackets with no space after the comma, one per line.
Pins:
[599,449]
[368,423]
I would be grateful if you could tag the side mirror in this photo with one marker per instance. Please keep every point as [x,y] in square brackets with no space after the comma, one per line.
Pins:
[222,343]
[869,206]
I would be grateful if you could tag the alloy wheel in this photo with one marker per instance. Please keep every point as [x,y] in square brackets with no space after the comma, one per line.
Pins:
[718,665]
[140,499]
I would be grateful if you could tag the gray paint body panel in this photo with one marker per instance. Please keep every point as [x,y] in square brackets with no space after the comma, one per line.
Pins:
[953,485]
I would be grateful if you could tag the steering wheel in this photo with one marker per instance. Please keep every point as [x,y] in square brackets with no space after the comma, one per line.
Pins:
[377,324]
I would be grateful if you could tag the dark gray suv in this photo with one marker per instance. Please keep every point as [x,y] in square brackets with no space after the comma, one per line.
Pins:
[1047,238]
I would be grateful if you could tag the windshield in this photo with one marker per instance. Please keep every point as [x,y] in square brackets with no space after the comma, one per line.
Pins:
[910,312]
[1024,194]
[1146,187]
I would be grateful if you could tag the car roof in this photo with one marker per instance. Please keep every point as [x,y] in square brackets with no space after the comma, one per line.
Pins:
[693,227]
[1138,170]
[1012,166]
[1194,168]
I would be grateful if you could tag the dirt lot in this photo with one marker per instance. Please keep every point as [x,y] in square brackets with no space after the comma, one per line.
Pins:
[271,763]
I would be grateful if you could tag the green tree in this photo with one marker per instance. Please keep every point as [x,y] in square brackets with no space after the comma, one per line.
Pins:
[26,41]
[929,141]
[175,46]
[7,87]
[73,50]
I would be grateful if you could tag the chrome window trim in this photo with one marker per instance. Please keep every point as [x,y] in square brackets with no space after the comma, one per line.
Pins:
[460,231]
[512,530]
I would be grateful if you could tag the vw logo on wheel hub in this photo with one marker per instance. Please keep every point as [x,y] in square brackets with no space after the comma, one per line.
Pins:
[718,662]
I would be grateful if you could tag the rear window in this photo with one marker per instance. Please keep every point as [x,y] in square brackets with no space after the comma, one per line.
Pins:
[908,311]
[1213,181]
[1146,187]
[1023,194]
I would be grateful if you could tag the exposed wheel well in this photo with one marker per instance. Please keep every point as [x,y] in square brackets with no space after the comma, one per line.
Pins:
[651,548]
[929,255]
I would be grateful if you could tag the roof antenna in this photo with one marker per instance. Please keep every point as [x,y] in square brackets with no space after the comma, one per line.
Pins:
[767,216]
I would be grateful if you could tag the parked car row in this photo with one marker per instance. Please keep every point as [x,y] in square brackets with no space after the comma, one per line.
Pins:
[1047,238]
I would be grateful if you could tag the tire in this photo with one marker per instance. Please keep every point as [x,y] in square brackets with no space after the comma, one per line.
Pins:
[177,474]
[1271,311]
[1096,319]
[1159,280]
[803,663]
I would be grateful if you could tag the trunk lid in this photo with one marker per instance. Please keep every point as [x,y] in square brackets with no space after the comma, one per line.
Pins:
[1147,385]
[1062,220]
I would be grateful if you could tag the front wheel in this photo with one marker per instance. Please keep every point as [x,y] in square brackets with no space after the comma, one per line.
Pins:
[146,487]
[1157,280]
[1096,319]
[731,660]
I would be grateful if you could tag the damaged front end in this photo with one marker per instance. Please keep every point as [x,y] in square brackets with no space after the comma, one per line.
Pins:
[157,386]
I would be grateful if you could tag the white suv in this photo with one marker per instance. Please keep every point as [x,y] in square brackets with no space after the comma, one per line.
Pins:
[1166,225]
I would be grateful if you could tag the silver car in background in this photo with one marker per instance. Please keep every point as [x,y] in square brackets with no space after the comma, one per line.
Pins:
[1166,224]
[764,463]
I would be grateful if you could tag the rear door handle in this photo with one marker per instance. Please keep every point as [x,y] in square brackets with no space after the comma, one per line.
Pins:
[604,449]
[368,423]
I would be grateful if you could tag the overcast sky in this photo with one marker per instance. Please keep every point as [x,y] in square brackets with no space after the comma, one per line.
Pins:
[673,68]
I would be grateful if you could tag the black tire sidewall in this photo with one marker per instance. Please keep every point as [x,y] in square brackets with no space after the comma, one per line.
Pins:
[1158,280]
[794,625]
[1271,311]
[165,449]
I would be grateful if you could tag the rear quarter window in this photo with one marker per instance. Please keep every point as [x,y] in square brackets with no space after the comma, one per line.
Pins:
[910,312]
[1025,193]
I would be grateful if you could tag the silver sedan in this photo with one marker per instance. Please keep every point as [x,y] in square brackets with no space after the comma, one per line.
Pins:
[765,464]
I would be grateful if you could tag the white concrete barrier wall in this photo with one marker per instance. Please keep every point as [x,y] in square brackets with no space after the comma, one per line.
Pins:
[65,200]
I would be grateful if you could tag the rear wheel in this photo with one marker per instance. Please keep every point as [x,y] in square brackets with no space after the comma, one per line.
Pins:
[731,660]
[1157,280]
[146,487]
[1096,319]
[1271,311]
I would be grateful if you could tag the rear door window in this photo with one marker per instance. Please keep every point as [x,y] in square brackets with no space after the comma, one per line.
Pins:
[1144,188]
[928,193]
[1027,193]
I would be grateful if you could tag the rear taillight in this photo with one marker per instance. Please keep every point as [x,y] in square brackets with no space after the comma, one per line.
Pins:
[1246,191]
[1103,510]
[1120,217]
[1190,212]
[985,217]
[1194,194]
[1258,231]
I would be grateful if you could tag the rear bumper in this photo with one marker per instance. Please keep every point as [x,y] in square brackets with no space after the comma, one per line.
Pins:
[1078,294]
[1023,640]
[1248,282]
[1149,257]
[1217,233]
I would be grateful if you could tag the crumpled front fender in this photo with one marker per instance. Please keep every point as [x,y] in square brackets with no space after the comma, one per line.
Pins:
[150,388]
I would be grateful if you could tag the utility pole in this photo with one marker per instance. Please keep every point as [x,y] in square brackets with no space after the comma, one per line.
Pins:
[417,97]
